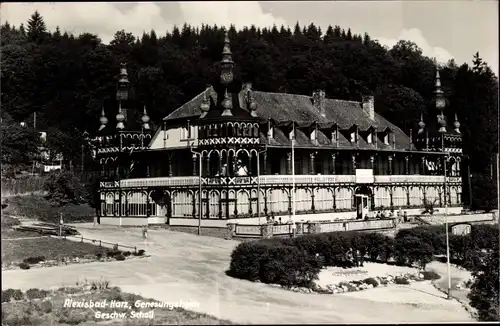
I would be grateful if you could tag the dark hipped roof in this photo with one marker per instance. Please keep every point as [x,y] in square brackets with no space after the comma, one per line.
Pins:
[283,109]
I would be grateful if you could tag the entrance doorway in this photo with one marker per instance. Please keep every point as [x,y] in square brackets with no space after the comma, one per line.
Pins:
[364,198]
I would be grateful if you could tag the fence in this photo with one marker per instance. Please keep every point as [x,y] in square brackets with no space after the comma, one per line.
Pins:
[100,242]
[270,230]
[28,185]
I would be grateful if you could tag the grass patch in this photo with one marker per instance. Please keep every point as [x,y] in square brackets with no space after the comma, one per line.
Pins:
[50,248]
[35,308]
[15,234]
[38,207]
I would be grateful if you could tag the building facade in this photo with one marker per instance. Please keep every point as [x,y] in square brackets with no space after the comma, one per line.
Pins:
[236,154]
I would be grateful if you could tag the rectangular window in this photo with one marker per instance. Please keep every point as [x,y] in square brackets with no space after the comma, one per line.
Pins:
[369,138]
[353,137]
[386,139]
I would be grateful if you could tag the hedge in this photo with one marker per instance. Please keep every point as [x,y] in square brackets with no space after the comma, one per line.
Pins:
[297,261]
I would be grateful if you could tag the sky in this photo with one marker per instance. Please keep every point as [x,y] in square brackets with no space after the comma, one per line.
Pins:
[442,29]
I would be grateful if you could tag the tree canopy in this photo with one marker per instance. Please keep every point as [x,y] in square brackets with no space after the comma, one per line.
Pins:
[66,78]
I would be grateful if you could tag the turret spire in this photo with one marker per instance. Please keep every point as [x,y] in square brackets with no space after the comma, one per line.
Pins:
[440,103]
[145,119]
[103,120]
[205,105]
[421,124]
[120,117]
[226,75]
[456,124]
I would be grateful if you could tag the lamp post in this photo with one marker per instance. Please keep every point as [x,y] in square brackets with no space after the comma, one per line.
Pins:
[258,181]
[446,158]
[199,185]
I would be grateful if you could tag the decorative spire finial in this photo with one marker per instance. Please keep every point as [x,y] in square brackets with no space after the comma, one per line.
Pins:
[103,120]
[440,103]
[204,106]
[120,117]
[145,119]
[226,76]
[421,124]
[456,124]
[227,105]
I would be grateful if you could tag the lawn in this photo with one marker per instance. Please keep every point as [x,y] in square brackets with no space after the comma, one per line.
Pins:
[8,233]
[50,248]
[30,308]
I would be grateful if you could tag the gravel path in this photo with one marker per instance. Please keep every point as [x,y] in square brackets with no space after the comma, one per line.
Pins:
[191,268]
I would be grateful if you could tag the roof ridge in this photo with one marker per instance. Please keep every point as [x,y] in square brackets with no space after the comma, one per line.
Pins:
[191,100]
[307,96]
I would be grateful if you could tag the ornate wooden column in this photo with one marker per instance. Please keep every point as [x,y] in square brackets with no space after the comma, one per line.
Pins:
[264,162]
[407,165]
[334,195]
[372,163]
[408,196]
[194,204]
[289,163]
[290,201]
[206,167]
[313,208]
[195,164]
[391,194]
[354,163]
[312,166]
[390,157]
[333,163]
[148,209]
[169,164]
[422,167]
[265,202]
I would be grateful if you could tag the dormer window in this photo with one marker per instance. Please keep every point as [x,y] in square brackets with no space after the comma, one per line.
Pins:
[334,136]
[369,138]
[290,135]
[313,135]
[353,137]
[386,138]
[270,132]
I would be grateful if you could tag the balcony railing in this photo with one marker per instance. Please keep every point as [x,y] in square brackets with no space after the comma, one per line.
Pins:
[276,180]
[414,179]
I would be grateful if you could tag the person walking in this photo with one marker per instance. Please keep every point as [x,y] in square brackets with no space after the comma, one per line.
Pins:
[145,232]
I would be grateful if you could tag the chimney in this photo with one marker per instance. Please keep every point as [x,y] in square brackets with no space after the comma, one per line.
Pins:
[318,98]
[369,106]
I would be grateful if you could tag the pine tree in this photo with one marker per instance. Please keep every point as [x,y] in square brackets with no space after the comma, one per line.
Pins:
[366,39]
[349,34]
[36,28]
[478,63]
[22,30]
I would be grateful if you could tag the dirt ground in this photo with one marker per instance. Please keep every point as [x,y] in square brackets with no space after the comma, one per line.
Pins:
[191,268]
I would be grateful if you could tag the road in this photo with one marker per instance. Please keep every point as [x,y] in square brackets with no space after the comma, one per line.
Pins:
[191,268]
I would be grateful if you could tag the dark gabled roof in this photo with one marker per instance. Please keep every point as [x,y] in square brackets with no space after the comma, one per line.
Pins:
[283,109]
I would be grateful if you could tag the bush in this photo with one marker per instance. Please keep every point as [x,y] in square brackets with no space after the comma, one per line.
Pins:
[24,265]
[141,252]
[11,294]
[36,294]
[376,243]
[98,255]
[110,253]
[431,275]
[120,257]
[371,281]
[34,260]
[401,280]
[277,264]
[127,253]
[64,188]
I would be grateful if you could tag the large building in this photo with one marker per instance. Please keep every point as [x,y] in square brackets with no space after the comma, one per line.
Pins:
[235,147]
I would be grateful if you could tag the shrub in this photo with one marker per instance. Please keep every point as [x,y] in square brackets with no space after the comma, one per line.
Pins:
[431,275]
[376,244]
[127,253]
[11,294]
[34,260]
[36,294]
[277,264]
[64,188]
[401,280]
[371,281]
[24,265]
[98,255]
[141,252]
[110,253]
[120,257]
[46,306]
